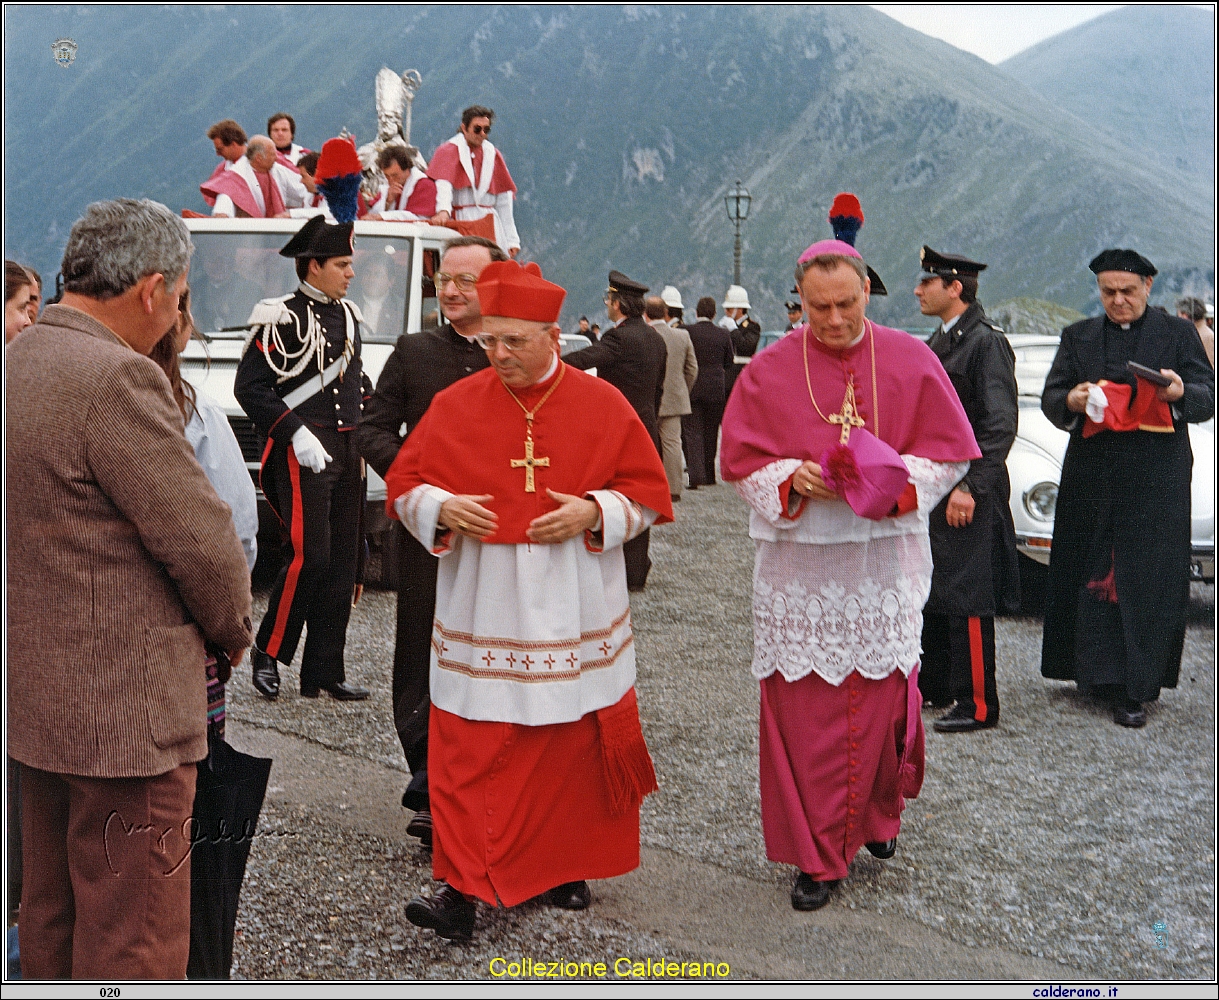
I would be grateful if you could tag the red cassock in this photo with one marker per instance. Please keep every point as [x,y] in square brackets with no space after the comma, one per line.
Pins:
[521,809]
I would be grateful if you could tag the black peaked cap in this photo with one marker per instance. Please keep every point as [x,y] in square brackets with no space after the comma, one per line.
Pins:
[619,282]
[949,265]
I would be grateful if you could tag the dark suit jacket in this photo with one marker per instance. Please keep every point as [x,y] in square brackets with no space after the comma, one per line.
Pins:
[421,365]
[631,357]
[714,351]
[121,559]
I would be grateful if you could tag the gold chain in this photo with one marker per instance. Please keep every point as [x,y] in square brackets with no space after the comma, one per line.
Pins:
[529,413]
[851,382]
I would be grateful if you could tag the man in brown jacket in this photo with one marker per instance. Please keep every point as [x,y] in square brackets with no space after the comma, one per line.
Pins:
[122,562]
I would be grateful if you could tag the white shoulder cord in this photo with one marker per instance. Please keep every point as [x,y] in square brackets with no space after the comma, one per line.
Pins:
[313,341]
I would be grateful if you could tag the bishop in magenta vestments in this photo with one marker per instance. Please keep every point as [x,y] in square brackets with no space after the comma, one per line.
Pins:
[838,597]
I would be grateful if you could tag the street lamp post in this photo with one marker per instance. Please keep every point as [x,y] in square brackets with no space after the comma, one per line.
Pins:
[737,202]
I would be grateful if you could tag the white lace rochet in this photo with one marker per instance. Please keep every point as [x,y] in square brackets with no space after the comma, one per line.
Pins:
[834,592]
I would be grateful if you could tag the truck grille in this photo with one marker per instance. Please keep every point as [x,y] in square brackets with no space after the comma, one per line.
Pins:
[252,443]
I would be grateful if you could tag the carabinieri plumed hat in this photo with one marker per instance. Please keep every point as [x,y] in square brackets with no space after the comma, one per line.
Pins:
[1123,260]
[318,238]
[846,219]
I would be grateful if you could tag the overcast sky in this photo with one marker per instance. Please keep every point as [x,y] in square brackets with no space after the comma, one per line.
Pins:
[993,31]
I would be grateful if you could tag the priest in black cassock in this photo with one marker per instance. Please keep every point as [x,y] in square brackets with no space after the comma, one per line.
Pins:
[1119,566]
[421,365]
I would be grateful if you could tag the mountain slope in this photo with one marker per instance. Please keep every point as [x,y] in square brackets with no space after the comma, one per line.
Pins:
[1144,74]
[623,128]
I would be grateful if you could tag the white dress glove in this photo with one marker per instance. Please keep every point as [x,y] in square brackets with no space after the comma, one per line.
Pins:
[309,450]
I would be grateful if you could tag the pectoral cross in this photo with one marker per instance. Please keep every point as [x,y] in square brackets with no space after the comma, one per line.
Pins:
[529,463]
[849,417]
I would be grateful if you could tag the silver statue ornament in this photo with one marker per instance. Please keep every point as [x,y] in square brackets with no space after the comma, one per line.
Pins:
[395,96]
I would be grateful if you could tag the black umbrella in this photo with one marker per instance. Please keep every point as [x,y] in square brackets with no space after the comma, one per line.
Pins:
[228,799]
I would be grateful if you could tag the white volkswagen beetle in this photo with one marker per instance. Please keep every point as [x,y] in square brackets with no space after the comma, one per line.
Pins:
[1034,466]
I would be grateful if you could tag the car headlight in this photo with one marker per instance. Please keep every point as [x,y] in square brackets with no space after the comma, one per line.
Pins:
[1040,501]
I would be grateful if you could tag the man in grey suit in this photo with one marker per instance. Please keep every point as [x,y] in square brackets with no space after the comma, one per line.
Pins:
[681,369]
[122,563]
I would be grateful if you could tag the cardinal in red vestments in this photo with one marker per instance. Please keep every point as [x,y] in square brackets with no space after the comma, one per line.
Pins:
[811,434]
[524,480]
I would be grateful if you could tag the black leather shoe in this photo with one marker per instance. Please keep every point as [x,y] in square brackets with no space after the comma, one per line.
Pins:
[447,912]
[421,826]
[339,692]
[265,673]
[1130,714]
[961,720]
[569,896]
[883,849]
[810,895]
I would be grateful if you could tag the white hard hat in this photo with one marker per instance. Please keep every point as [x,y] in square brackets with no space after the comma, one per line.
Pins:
[1210,310]
[671,297]
[736,298]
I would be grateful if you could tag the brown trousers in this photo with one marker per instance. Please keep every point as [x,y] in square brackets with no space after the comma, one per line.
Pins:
[106,891]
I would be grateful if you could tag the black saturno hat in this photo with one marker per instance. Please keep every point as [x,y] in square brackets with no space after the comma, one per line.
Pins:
[1123,260]
[948,265]
[619,282]
[318,238]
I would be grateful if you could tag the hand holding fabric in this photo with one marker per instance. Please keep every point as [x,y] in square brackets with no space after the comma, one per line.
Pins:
[309,450]
[574,516]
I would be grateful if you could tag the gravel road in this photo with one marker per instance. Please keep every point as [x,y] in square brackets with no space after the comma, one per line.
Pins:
[1058,836]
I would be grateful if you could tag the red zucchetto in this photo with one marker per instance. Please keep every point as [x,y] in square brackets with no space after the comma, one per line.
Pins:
[507,289]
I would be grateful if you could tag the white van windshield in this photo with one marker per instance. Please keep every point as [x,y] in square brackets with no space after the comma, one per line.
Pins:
[231,271]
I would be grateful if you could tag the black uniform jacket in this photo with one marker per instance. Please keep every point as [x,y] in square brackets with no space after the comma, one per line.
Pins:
[744,342]
[632,358]
[714,351]
[421,365]
[260,392]
[746,336]
[1125,498]
[977,568]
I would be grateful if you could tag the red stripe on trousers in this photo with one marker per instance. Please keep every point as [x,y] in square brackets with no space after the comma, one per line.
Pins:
[298,558]
[977,668]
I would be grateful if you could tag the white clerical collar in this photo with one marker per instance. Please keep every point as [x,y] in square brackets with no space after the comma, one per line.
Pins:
[554,367]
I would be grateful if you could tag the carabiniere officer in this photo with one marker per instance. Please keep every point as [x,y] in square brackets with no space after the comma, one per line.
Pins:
[973,541]
[300,381]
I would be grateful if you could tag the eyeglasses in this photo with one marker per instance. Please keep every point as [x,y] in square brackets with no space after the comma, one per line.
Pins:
[481,129]
[464,282]
[513,341]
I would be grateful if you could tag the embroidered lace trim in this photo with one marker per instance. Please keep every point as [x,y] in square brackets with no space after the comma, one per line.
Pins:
[831,609]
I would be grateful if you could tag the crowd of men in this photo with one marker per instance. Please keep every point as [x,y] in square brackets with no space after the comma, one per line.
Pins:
[524,490]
